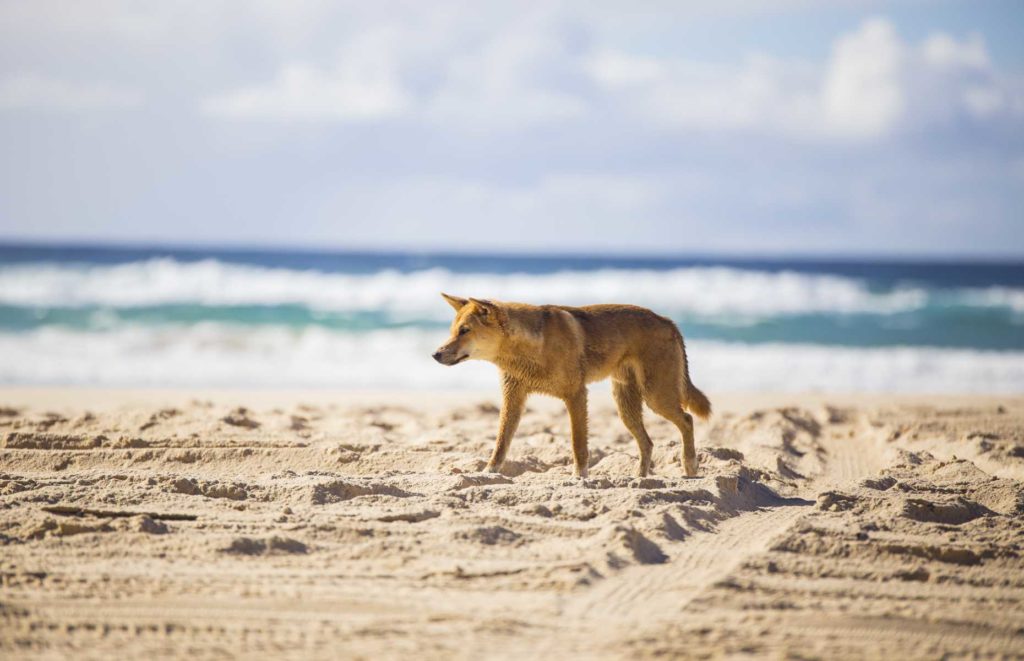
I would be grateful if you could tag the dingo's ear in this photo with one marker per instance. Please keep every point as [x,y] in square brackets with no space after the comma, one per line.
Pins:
[486,307]
[454,301]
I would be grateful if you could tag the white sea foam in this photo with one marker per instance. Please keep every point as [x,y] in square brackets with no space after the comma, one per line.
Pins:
[700,290]
[1007,297]
[220,355]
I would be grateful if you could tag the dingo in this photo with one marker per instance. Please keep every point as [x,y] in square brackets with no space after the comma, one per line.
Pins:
[557,350]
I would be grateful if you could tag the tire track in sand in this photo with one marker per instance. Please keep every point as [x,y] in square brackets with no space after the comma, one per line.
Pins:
[648,592]
[640,596]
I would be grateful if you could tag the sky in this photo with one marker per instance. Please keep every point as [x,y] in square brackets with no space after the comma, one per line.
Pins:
[740,127]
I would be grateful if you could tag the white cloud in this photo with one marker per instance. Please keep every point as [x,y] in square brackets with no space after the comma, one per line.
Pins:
[984,101]
[614,69]
[503,80]
[863,94]
[507,81]
[872,85]
[945,51]
[762,93]
[528,70]
[364,84]
[30,91]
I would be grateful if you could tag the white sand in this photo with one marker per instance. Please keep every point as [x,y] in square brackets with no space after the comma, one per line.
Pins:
[344,525]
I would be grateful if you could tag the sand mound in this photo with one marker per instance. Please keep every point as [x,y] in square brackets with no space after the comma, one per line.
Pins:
[625,543]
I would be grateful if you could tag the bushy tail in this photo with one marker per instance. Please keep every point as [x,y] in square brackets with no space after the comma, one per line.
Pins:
[697,402]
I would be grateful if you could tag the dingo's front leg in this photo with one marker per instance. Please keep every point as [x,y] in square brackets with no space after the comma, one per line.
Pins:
[577,405]
[513,401]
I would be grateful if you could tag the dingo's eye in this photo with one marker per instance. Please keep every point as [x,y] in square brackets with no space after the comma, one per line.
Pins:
[463,330]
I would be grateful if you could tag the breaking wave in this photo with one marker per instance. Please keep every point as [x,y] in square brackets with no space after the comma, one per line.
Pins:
[700,290]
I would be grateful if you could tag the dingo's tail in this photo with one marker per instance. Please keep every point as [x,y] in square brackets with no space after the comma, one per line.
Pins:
[697,402]
[693,399]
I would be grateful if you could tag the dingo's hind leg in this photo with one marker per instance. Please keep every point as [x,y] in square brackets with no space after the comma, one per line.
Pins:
[662,390]
[630,404]
[674,413]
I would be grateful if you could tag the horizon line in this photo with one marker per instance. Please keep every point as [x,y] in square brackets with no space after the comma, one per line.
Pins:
[514,253]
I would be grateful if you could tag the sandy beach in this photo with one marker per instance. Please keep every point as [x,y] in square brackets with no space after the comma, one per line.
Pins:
[290,524]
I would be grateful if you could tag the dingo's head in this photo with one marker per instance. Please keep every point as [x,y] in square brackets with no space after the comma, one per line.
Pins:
[476,331]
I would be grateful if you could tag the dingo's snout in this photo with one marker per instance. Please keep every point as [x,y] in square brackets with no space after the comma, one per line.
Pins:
[449,356]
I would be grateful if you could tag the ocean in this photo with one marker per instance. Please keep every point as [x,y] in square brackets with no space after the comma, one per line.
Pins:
[117,316]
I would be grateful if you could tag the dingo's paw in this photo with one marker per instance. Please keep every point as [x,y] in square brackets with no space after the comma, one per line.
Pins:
[492,468]
[690,465]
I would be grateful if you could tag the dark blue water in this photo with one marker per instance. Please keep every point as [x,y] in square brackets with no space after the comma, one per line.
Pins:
[881,273]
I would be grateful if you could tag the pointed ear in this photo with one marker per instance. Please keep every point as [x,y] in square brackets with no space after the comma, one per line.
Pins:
[454,301]
[486,307]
